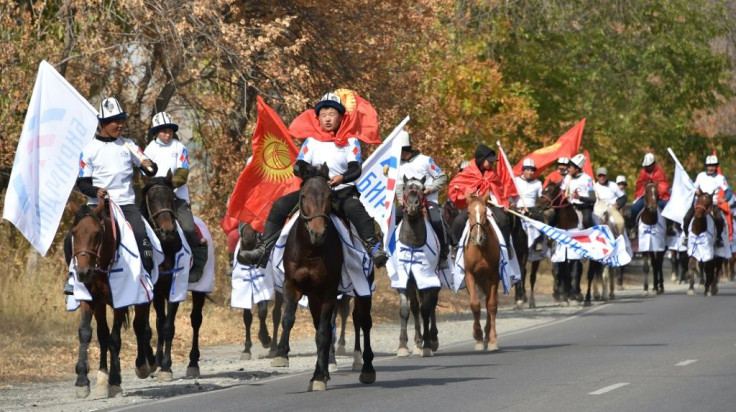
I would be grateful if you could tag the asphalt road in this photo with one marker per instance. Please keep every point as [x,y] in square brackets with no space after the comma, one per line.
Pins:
[666,353]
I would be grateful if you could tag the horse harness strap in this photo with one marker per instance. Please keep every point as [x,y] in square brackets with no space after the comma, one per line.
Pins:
[97,253]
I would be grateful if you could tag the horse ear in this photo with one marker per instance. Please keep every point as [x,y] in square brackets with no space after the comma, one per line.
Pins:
[424,178]
[404,179]
[169,175]
[485,196]
[324,170]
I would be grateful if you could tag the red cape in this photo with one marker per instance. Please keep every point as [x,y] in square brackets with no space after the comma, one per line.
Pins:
[657,176]
[471,180]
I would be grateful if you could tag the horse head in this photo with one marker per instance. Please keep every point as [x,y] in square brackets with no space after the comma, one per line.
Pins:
[703,204]
[314,202]
[651,196]
[90,230]
[414,201]
[551,199]
[158,198]
[477,219]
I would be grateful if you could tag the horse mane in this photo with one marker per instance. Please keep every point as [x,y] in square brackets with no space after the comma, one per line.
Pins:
[157,180]
[83,211]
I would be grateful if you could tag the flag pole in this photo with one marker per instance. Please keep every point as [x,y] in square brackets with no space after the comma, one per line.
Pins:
[511,172]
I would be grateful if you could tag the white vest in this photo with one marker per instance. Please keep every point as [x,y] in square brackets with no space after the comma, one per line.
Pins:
[110,165]
[583,184]
[608,193]
[337,157]
[529,192]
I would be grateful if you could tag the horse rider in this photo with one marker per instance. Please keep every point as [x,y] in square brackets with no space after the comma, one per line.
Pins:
[557,176]
[710,181]
[106,168]
[650,172]
[480,177]
[580,190]
[170,153]
[612,196]
[416,165]
[344,161]
[622,186]
[530,189]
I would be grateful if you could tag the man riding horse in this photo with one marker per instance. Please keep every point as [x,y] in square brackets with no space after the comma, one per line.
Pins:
[650,172]
[611,197]
[579,187]
[710,181]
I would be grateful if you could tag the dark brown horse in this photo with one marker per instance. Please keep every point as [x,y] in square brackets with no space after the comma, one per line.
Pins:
[313,263]
[650,216]
[158,207]
[482,257]
[94,244]
[703,206]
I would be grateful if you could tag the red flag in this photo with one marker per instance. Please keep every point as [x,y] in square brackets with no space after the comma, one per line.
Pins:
[503,169]
[360,121]
[724,206]
[588,166]
[269,175]
[566,146]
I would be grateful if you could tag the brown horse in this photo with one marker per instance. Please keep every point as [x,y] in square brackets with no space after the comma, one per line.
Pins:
[482,257]
[158,207]
[703,206]
[313,263]
[650,216]
[94,244]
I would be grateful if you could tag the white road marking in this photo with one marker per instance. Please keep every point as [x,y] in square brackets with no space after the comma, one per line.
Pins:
[686,362]
[609,388]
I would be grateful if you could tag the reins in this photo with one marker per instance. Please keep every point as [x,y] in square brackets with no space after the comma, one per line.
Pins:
[98,252]
[152,216]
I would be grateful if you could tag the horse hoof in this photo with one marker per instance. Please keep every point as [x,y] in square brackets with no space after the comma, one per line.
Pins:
[271,354]
[427,353]
[611,296]
[143,372]
[714,290]
[691,292]
[265,340]
[192,372]
[357,366]
[587,303]
[115,391]
[332,367]
[340,351]
[246,356]
[674,278]
[520,304]
[492,347]
[402,352]
[479,346]
[315,386]
[101,390]
[165,376]
[660,291]
[279,362]
[532,305]
[367,377]
[153,367]
[82,392]
[417,351]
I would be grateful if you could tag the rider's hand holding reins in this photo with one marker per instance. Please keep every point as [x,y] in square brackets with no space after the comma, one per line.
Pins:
[101,193]
[336,180]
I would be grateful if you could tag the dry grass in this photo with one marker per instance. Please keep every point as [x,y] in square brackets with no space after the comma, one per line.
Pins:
[39,337]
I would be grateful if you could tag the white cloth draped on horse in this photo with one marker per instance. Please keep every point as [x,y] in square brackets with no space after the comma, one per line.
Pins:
[508,269]
[652,238]
[250,285]
[702,247]
[420,262]
[206,283]
[129,282]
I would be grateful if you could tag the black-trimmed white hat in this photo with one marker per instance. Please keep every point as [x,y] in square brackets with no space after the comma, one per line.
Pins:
[330,100]
[110,109]
[578,160]
[162,120]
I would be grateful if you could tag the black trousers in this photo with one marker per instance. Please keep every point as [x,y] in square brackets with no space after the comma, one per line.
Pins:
[186,221]
[587,212]
[435,219]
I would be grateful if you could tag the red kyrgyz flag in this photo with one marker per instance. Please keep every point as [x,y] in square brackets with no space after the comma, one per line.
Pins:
[360,121]
[503,169]
[588,166]
[269,175]
[724,206]
[566,146]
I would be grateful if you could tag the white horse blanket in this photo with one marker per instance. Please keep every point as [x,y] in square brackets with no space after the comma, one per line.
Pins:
[250,285]
[652,238]
[421,262]
[702,246]
[508,269]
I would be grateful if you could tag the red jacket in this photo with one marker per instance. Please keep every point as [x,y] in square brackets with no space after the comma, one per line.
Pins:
[657,176]
[471,180]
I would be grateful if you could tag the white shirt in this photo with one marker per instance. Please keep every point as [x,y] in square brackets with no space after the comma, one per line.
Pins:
[418,167]
[608,193]
[167,157]
[337,157]
[110,165]
[529,192]
[583,184]
[710,184]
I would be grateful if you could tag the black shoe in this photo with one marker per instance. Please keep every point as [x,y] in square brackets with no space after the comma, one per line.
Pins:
[252,257]
[199,259]
[69,289]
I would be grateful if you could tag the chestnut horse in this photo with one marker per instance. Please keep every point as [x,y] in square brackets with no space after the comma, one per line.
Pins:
[94,245]
[482,258]
[703,206]
[650,216]
[313,262]
[158,208]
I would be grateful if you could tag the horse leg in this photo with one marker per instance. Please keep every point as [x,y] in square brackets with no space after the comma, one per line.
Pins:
[646,272]
[262,327]
[142,328]
[660,273]
[557,282]
[414,307]
[343,309]
[120,317]
[281,358]
[101,388]
[159,305]
[85,337]
[692,269]
[520,288]
[247,322]
[591,275]
[475,308]
[322,315]
[434,340]
[362,316]
[278,305]
[532,281]
[404,319]
[429,302]
[709,269]
[578,277]
[597,279]
[196,318]
[331,361]
[165,374]
[492,310]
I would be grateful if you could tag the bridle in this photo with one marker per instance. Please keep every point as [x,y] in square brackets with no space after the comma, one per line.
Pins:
[416,190]
[309,218]
[152,216]
[98,252]
[559,198]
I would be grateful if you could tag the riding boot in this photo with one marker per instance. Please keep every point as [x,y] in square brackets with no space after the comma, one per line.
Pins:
[374,248]
[147,255]
[68,288]
[259,254]
[199,259]
[719,230]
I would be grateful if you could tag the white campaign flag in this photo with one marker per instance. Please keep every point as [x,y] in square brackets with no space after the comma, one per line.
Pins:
[58,124]
[682,195]
[595,242]
[377,184]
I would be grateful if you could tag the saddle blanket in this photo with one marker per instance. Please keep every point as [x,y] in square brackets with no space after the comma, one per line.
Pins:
[357,263]
[250,285]
[206,283]
[508,269]
[652,238]
[701,247]
[421,262]
[129,282]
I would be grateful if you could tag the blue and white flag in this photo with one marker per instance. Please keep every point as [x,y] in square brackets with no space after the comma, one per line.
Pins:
[596,243]
[59,123]
[377,184]
[682,195]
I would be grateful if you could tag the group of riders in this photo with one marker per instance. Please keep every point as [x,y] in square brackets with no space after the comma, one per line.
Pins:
[108,163]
